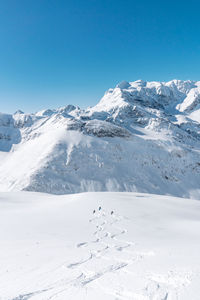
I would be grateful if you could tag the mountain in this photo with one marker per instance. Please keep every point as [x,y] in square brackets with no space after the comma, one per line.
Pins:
[141,136]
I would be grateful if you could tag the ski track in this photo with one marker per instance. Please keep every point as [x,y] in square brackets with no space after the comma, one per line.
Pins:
[107,241]
[30,295]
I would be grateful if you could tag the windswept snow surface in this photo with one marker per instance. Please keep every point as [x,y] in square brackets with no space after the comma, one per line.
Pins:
[141,137]
[54,247]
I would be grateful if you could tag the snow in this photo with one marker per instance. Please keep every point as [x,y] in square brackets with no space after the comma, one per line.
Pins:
[141,136]
[195,115]
[54,247]
[191,101]
[142,139]
[123,85]
[9,135]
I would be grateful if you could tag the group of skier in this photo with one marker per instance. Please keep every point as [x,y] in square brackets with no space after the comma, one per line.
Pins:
[94,211]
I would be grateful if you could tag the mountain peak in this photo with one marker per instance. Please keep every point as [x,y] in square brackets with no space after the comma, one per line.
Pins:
[123,85]
[141,136]
[19,112]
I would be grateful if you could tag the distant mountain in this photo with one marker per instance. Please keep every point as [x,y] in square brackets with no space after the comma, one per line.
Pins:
[141,136]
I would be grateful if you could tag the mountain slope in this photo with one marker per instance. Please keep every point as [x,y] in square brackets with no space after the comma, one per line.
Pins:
[141,136]
[147,249]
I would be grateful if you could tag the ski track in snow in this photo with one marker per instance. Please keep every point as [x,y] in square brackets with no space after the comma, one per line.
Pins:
[118,253]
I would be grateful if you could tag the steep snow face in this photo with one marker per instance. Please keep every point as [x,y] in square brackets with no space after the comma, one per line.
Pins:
[191,104]
[9,134]
[141,136]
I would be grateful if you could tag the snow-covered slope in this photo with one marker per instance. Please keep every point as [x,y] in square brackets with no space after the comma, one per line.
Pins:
[141,136]
[55,248]
[9,133]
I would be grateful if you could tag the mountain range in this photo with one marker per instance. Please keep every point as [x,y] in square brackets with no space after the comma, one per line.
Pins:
[141,137]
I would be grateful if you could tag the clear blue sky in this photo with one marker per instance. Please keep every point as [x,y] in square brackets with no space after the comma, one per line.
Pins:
[56,52]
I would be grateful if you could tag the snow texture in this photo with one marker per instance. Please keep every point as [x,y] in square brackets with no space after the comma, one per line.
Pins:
[141,136]
[56,248]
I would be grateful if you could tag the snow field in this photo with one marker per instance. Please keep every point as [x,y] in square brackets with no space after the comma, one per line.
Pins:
[54,247]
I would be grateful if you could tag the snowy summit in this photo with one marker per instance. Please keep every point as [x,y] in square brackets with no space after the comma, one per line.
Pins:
[141,137]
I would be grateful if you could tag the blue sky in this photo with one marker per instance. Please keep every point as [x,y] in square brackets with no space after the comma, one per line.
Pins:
[53,53]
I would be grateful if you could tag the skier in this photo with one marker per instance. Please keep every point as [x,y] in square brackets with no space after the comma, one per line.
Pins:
[94,211]
[99,207]
[112,212]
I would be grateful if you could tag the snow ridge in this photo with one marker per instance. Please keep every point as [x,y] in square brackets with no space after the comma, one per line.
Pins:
[141,136]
